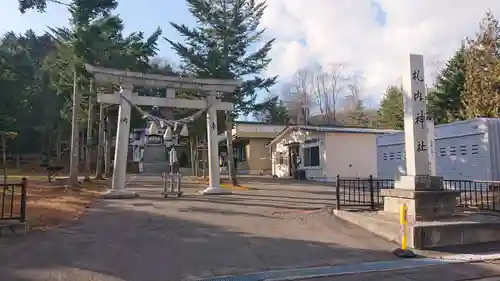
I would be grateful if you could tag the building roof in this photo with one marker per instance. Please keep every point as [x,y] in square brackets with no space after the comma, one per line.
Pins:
[331,129]
[253,130]
[256,123]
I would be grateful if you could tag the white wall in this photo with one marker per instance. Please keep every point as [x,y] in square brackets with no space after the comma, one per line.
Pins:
[282,170]
[351,155]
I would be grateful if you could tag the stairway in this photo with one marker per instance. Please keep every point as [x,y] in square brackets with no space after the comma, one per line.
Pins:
[155,159]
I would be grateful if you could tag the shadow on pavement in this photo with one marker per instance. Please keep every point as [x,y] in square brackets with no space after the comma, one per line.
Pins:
[280,197]
[114,243]
[244,202]
[157,239]
[466,249]
[226,212]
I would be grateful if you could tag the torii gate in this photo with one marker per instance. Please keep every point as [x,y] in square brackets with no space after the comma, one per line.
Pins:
[127,80]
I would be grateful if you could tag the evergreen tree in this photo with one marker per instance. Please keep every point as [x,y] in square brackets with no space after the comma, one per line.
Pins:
[357,116]
[482,82]
[391,111]
[445,102]
[38,69]
[40,5]
[221,46]
[272,111]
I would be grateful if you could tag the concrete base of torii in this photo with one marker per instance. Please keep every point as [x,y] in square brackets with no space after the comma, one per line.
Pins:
[212,190]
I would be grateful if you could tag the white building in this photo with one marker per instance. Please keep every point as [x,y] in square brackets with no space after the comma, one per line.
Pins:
[325,152]
[465,150]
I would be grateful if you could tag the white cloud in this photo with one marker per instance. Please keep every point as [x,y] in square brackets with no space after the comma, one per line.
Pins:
[347,31]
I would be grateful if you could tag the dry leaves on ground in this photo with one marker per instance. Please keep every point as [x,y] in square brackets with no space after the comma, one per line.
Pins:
[54,204]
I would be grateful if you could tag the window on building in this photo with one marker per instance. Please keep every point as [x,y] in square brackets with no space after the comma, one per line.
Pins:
[281,158]
[311,156]
[311,141]
[240,154]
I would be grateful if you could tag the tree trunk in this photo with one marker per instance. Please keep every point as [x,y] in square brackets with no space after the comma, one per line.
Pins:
[4,157]
[58,146]
[107,149]
[204,157]
[88,146]
[75,132]
[82,139]
[100,147]
[229,144]
[192,144]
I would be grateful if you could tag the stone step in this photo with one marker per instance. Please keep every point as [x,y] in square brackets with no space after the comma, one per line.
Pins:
[154,154]
[155,167]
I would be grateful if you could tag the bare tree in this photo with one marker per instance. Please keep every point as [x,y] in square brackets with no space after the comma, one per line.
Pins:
[298,96]
[316,88]
[353,96]
[328,85]
[353,104]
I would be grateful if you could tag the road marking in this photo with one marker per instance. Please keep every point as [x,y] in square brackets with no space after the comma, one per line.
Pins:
[392,265]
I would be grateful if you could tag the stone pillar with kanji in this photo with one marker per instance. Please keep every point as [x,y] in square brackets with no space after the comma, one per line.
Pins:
[421,191]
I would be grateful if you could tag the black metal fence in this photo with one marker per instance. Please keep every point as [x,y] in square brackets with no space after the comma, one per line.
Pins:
[13,201]
[365,192]
[482,195]
[361,192]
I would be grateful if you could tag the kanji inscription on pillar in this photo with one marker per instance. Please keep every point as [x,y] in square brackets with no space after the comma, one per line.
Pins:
[416,136]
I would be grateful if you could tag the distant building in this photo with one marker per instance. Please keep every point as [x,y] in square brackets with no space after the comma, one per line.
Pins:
[324,152]
[465,150]
[249,144]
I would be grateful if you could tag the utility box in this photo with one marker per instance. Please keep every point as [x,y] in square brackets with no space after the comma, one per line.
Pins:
[465,150]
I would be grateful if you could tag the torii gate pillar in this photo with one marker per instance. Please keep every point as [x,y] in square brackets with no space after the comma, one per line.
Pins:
[213,150]
[121,148]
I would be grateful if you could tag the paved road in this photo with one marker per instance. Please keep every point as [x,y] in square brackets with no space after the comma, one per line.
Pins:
[275,225]
[450,272]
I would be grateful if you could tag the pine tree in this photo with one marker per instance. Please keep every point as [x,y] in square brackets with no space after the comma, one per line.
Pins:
[272,111]
[482,82]
[391,111]
[220,46]
[40,5]
[445,103]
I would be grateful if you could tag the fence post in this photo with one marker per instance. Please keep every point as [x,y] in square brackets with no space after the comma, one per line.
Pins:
[337,192]
[372,197]
[24,183]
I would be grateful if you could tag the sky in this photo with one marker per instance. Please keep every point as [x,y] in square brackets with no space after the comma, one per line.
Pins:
[371,37]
